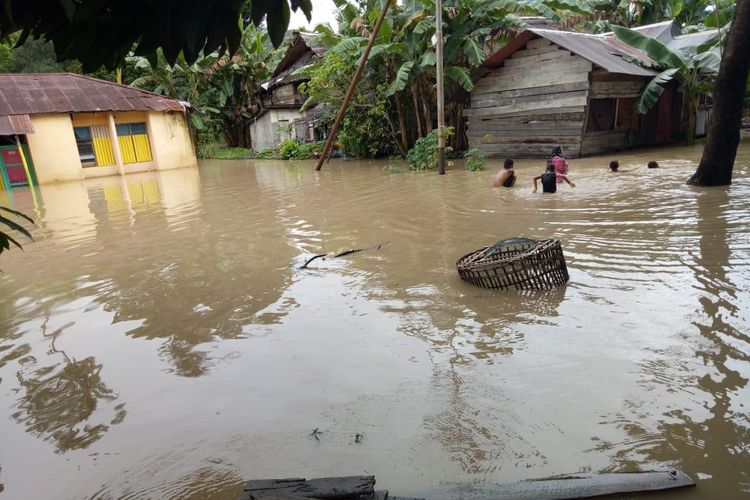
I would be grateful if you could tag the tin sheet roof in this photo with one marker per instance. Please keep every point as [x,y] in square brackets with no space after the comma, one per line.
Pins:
[605,49]
[16,124]
[597,49]
[37,93]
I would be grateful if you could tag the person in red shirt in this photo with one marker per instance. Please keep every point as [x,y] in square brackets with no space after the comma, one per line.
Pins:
[558,160]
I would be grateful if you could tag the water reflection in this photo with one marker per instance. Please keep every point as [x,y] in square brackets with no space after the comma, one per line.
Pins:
[184,303]
[57,401]
[706,441]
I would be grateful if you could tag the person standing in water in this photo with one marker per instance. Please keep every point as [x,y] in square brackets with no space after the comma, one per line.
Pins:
[550,179]
[558,160]
[507,176]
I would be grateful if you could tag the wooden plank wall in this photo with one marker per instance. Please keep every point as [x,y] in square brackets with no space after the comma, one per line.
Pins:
[534,102]
[611,85]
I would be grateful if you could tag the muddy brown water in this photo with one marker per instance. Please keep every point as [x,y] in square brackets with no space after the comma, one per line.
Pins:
[156,341]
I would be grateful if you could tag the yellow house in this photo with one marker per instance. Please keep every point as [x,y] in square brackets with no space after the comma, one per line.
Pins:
[74,127]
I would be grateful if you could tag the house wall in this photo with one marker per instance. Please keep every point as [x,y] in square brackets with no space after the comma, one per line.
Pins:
[53,149]
[265,132]
[55,154]
[627,129]
[172,144]
[534,102]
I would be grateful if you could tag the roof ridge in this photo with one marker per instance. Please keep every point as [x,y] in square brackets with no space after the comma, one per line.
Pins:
[120,85]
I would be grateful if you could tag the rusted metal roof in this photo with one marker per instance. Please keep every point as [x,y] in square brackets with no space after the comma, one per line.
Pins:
[595,48]
[598,50]
[301,45]
[16,124]
[605,49]
[38,93]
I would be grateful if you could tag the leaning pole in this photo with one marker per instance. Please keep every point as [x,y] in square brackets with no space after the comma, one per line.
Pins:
[352,87]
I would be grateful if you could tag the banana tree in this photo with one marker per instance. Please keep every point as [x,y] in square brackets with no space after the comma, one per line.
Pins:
[690,67]
[5,238]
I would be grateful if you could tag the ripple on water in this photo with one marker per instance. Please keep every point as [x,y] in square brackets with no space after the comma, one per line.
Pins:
[158,339]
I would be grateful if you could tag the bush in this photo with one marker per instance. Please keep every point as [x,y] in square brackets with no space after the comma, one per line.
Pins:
[208,150]
[475,160]
[424,154]
[292,150]
[289,149]
[365,134]
[392,169]
[266,154]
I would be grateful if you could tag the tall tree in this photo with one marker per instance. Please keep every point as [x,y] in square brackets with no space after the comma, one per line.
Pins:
[717,162]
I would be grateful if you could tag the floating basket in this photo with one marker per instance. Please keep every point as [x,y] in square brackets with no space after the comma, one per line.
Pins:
[520,263]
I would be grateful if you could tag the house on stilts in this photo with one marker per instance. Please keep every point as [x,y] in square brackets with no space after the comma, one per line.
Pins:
[548,87]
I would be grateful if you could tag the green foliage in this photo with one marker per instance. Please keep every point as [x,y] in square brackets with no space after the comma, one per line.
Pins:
[392,169]
[267,154]
[102,33]
[683,65]
[219,152]
[424,154]
[5,238]
[487,138]
[208,149]
[363,134]
[290,149]
[475,160]
[223,91]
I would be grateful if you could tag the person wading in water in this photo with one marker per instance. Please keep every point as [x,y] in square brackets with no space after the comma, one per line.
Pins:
[505,177]
[558,160]
[550,179]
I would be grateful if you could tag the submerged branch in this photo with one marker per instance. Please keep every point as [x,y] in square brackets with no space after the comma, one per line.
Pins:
[377,246]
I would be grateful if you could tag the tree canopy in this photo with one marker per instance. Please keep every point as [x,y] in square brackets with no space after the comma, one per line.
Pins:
[103,32]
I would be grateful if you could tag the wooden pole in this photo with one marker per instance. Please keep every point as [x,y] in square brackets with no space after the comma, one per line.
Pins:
[440,88]
[352,88]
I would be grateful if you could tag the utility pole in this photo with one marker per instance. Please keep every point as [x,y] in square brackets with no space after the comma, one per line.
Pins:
[440,89]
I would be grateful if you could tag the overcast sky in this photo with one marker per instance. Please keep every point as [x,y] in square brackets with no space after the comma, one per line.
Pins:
[322,12]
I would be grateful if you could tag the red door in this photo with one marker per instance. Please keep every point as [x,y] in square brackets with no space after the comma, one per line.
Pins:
[14,167]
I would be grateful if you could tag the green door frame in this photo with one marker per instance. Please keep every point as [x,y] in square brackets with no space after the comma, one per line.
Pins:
[27,154]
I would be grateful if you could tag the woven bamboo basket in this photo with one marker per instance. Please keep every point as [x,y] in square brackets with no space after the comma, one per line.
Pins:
[520,263]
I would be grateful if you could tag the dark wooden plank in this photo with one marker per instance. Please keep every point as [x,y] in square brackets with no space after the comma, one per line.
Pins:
[580,486]
[323,488]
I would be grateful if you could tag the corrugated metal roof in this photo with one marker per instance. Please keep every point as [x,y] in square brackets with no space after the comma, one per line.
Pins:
[692,39]
[16,124]
[36,93]
[596,49]
[605,49]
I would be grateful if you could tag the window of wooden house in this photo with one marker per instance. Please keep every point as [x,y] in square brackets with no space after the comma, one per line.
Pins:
[601,115]
[627,116]
[85,143]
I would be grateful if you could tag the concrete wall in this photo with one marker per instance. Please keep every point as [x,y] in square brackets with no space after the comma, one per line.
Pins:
[53,149]
[171,143]
[265,130]
[55,154]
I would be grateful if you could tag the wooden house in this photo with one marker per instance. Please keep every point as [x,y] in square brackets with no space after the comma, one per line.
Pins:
[547,88]
[61,126]
[281,99]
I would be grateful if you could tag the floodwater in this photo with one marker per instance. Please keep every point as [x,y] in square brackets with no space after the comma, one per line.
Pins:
[158,340]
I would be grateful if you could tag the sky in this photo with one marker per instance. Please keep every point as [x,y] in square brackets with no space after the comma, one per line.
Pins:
[322,12]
